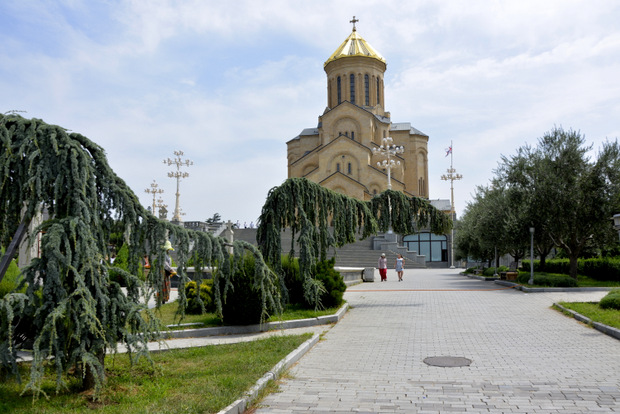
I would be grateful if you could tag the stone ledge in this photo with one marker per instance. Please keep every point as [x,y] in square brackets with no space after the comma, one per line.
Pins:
[239,406]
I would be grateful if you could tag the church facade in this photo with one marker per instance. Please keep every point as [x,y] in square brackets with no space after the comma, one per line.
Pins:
[338,152]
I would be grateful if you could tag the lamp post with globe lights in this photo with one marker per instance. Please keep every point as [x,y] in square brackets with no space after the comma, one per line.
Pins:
[178,174]
[154,190]
[388,151]
[451,176]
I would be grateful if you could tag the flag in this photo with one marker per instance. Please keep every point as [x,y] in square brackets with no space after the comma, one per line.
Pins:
[449,150]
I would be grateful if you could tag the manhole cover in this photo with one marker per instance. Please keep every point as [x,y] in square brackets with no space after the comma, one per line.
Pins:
[447,361]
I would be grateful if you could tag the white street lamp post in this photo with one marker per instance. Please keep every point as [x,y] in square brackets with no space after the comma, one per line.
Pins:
[388,150]
[531,281]
[178,174]
[617,223]
[451,176]
[154,190]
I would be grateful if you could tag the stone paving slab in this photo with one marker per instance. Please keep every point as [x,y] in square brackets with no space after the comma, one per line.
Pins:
[526,357]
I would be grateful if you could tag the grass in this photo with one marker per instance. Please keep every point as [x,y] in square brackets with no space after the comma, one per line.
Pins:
[609,317]
[585,281]
[204,380]
[167,315]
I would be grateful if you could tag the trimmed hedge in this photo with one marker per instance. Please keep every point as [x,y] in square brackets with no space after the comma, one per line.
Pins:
[545,279]
[603,269]
[611,300]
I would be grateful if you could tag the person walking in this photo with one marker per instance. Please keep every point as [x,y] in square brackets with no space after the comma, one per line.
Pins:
[400,265]
[383,267]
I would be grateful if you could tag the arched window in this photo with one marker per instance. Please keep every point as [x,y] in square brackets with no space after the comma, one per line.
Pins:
[349,169]
[378,91]
[433,246]
[353,135]
[352,87]
[338,167]
[339,89]
[366,91]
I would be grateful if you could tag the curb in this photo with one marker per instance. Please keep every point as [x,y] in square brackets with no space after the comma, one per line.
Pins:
[239,406]
[551,289]
[607,330]
[269,326]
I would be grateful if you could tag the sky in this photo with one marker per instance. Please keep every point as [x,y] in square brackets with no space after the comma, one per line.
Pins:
[229,83]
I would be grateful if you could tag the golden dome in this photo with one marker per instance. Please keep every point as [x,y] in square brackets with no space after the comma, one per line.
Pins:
[354,45]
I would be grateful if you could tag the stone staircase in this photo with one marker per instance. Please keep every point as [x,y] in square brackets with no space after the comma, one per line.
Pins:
[363,253]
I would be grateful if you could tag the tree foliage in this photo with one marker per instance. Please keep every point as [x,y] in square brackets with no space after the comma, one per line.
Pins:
[556,189]
[77,312]
[323,219]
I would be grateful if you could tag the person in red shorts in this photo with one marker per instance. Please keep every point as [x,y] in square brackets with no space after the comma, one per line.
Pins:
[383,267]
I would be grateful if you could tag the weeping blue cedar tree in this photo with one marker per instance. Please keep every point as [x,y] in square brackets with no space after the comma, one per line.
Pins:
[77,312]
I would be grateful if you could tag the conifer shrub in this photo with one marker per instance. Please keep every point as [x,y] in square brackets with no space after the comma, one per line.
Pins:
[293,281]
[194,305]
[611,300]
[332,282]
[242,305]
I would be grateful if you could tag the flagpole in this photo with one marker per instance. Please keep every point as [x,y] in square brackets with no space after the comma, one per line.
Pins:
[451,176]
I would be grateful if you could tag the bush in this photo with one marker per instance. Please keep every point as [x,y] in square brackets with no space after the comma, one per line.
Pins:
[603,269]
[206,295]
[332,281]
[547,279]
[611,300]
[606,269]
[491,271]
[243,304]
[292,281]
[11,279]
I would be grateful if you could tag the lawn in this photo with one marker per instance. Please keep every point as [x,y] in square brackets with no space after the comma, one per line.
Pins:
[196,380]
[609,317]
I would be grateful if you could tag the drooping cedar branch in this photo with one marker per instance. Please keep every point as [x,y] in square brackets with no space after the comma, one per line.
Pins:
[324,219]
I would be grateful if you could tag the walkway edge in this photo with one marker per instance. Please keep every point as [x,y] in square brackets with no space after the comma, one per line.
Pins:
[239,406]
[607,330]
[269,326]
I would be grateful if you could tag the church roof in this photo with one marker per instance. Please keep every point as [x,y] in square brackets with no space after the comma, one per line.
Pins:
[403,126]
[354,45]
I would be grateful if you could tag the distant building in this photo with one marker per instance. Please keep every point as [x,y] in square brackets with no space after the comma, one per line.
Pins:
[337,153]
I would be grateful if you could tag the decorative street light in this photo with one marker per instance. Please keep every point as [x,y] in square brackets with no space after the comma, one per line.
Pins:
[163,208]
[617,223]
[154,190]
[178,174]
[388,150]
[531,281]
[451,176]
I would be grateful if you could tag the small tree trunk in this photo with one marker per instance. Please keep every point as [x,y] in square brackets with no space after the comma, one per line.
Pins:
[89,380]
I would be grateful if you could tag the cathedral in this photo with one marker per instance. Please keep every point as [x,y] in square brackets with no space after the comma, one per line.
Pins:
[338,152]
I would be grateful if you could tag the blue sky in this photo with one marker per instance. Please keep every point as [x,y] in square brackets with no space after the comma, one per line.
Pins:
[229,83]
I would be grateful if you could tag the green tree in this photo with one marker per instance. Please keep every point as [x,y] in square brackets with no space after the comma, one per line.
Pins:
[569,198]
[215,219]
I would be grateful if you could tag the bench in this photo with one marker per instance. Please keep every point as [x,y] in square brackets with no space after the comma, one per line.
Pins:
[511,274]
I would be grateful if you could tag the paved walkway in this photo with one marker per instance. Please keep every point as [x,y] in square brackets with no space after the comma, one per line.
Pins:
[526,358]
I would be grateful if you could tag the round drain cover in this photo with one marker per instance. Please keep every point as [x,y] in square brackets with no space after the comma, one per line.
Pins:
[447,361]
